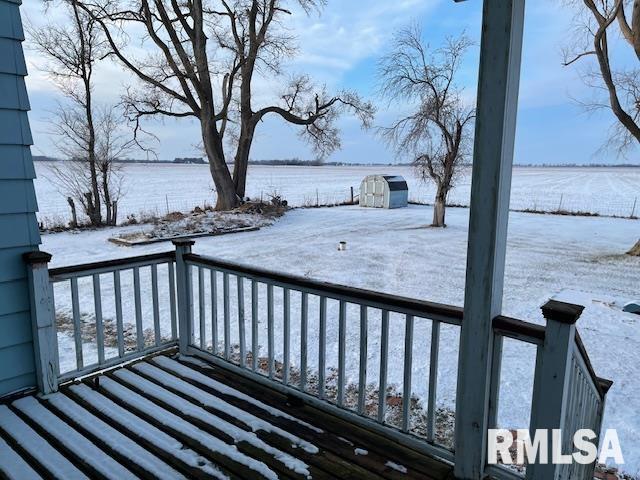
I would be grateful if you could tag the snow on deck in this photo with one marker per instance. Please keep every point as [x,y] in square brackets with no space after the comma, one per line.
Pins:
[14,466]
[168,418]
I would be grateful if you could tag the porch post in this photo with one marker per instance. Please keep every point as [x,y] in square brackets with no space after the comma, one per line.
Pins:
[43,321]
[185,296]
[551,383]
[499,78]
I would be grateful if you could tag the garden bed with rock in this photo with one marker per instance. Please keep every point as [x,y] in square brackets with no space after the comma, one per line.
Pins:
[204,222]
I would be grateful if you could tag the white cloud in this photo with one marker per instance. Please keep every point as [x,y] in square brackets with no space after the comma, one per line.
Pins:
[349,32]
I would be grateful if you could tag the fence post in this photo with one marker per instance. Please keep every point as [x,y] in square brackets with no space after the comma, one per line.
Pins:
[551,383]
[185,295]
[43,321]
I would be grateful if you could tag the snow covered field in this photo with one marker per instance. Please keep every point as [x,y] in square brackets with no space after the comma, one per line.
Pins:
[164,187]
[576,259]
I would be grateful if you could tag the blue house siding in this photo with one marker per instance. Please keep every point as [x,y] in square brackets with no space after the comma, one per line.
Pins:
[18,229]
[17,196]
[18,328]
[16,162]
[12,265]
[18,224]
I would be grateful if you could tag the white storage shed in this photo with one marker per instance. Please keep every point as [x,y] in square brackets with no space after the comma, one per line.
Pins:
[384,191]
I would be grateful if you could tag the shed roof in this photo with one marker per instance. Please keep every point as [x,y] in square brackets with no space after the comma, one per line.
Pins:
[395,182]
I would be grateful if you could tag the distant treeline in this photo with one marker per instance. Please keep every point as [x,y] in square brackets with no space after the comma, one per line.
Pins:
[44,158]
[194,160]
[578,165]
[277,162]
[320,163]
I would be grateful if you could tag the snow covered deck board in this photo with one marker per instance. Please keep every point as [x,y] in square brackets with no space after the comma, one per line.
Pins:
[167,417]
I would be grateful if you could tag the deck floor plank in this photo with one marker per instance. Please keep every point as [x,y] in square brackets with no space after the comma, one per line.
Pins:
[323,459]
[213,425]
[343,436]
[236,464]
[35,449]
[175,453]
[69,442]
[139,460]
[13,466]
[169,417]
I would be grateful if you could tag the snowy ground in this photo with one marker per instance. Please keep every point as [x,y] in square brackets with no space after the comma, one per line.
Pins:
[572,258]
[164,188]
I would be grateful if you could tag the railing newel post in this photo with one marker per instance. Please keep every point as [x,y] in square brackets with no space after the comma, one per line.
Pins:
[43,321]
[552,381]
[185,297]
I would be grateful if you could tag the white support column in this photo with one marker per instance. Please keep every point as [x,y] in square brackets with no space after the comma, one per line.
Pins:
[501,46]
[43,320]
[185,296]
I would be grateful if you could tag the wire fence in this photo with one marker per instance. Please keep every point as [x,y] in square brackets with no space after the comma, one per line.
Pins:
[604,205]
[152,191]
[598,204]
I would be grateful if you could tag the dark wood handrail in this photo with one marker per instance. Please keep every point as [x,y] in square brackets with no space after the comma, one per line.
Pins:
[332,289]
[519,328]
[523,330]
[107,264]
[602,385]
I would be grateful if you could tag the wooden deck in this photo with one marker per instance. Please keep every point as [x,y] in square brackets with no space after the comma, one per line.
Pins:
[171,418]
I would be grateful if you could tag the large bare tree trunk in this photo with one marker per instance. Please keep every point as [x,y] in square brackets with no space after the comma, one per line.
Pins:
[227,198]
[248,125]
[110,220]
[241,162]
[95,214]
[439,208]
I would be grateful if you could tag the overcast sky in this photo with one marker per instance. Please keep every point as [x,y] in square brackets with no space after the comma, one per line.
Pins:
[340,47]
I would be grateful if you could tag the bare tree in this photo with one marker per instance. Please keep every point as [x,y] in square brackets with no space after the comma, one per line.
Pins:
[205,57]
[434,135]
[114,143]
[75,176]
[595,22]
[72,51]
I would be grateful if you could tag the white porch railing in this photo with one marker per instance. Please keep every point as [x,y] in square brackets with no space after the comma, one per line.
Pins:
[241,318]
[103,291]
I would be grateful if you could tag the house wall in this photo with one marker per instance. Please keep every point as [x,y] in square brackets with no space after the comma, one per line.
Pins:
[18,224]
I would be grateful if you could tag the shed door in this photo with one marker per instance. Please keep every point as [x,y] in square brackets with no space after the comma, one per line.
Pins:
[371,192]
[379,194]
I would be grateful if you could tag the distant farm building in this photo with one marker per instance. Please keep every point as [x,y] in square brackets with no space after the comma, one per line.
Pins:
[384,191]
[196,160]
